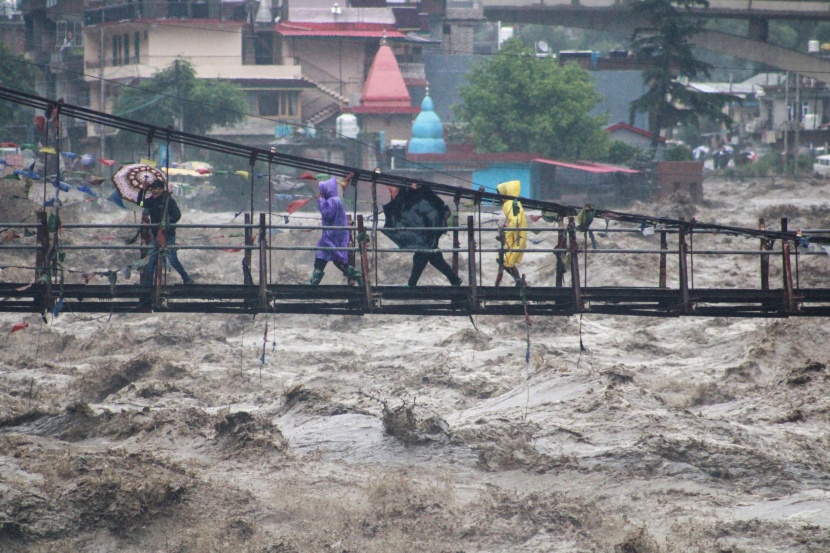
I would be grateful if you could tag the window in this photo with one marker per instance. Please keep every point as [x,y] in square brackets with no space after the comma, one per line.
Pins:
[136,43]
[116,49]
[126,49]
[278,103]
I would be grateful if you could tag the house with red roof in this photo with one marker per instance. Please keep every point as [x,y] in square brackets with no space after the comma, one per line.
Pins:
[631,135]
[582,182]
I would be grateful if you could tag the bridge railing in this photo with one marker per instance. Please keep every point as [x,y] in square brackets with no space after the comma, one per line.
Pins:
[62,254]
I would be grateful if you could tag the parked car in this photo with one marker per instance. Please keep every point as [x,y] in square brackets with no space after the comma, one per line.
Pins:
[822,165]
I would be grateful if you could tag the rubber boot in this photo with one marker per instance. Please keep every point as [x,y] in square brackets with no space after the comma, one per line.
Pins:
[316,277]
[355,275]
[514,272]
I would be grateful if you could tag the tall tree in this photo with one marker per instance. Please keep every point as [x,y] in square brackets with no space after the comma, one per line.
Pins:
[17,73]
[515,101]
[665,48]
[176,96]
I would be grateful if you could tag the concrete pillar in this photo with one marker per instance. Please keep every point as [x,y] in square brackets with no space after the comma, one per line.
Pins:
[758,29]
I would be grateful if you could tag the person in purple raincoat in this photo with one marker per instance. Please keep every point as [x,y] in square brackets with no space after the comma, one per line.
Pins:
[333,215]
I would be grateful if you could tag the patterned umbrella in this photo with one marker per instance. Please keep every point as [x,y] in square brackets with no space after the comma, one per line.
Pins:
[131,180]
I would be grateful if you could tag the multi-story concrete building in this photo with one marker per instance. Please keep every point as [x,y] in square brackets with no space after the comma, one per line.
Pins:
[299,64]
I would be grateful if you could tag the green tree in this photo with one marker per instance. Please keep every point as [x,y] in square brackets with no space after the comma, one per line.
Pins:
[665,49]
[18,74]
[517,102]
[176,96]
[621,153]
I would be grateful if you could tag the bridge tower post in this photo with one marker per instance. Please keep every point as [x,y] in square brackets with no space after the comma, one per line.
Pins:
[364,263]
[471,265]
[764,257]
[246,257]
[42,271]
[573,249]
[561,244]
[263,262]
[682,270]
[788,303]
[456,244]
[758,29]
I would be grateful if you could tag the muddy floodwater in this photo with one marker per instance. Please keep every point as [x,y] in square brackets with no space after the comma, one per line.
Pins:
[194,433]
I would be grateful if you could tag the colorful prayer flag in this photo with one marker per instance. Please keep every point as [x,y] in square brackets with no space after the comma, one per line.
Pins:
[296,204]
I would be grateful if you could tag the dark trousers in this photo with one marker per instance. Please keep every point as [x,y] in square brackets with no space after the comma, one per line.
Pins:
[172,257]
[320,264]
[436,259]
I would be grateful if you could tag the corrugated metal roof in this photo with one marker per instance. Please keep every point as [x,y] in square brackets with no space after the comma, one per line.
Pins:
[621,126]
[271,83]
[355,30]
[588,166]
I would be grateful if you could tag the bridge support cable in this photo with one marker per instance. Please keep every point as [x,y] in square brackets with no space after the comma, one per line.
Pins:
[307,164]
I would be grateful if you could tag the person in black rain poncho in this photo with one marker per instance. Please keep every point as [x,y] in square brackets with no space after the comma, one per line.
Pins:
[418,206]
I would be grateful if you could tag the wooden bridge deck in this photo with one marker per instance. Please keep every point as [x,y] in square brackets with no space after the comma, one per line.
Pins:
[422,300]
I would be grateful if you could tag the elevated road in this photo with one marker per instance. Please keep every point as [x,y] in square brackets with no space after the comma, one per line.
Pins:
[804,10]
[614,16]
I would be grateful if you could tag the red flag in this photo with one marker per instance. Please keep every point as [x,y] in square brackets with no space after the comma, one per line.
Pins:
[40,123]
[19,326]
[296,204]
[107,162]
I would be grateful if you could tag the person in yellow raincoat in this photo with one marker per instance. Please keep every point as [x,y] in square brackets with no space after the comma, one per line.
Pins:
[514,239]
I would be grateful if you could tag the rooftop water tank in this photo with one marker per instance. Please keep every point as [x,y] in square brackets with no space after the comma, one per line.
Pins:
[346,126]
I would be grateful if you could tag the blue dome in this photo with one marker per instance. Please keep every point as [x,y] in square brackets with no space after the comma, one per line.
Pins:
[427,131]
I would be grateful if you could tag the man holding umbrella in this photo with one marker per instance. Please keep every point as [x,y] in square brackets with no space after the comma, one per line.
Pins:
[164,214]
[420,208]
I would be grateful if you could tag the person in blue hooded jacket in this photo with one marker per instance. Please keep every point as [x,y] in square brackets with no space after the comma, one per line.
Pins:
[333,215]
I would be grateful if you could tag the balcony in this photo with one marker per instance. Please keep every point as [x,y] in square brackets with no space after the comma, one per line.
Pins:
[163,10]
[207,67]
[412,71]
[464,9]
